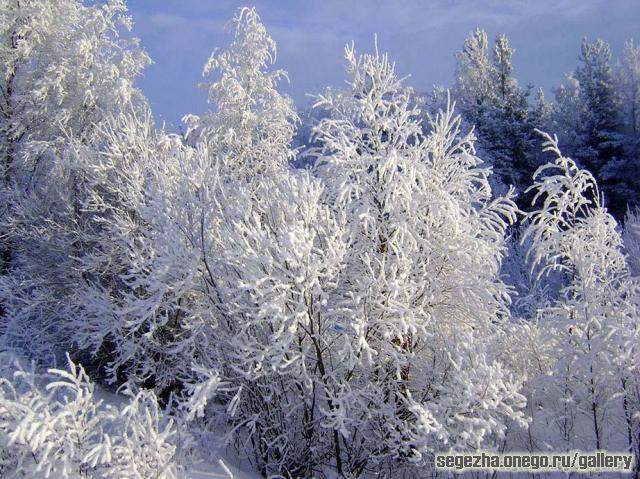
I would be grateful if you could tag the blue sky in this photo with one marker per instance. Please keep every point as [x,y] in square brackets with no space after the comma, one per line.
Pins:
[420,35]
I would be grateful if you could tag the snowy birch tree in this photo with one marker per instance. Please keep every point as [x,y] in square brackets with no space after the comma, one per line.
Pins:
[423,229]
[251,125]
[592,328]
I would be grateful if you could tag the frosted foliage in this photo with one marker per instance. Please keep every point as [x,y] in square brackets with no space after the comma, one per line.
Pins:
[422,229]
[349,319]
[68,68]
[251,124]
[55,425]
[48,61]
[474,72]
[592,328]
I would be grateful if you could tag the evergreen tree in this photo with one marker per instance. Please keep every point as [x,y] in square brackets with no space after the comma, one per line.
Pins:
[600,140]
[540,116]
[628,84]
[502,54]
[492,102]
[599,120]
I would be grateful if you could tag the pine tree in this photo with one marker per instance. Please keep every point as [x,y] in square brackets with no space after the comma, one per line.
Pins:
[599,148]
[567,114]
[496,106]
[628,84]
[502,54]
[599,121]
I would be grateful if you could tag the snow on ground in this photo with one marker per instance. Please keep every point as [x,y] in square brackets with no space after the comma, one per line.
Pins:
[223,469]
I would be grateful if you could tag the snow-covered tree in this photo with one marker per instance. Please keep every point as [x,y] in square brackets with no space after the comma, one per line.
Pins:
[219,291]
[600,114]
[628,86]
[67,69]
[540,115]
[110,313]
[220,272]
[475,74]
[503,68]
[594,117]
[423,230]
[631,238]
[595,128]
[252,124]
[354,317]
[567,113]
[592,329]
[629,83]
[492,102]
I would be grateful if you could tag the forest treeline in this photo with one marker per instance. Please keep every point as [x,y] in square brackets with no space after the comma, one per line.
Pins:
[342,293]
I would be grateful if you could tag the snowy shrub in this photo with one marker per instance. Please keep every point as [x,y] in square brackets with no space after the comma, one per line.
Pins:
[54,424]
[423,230]
[322,311]
[113,311]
